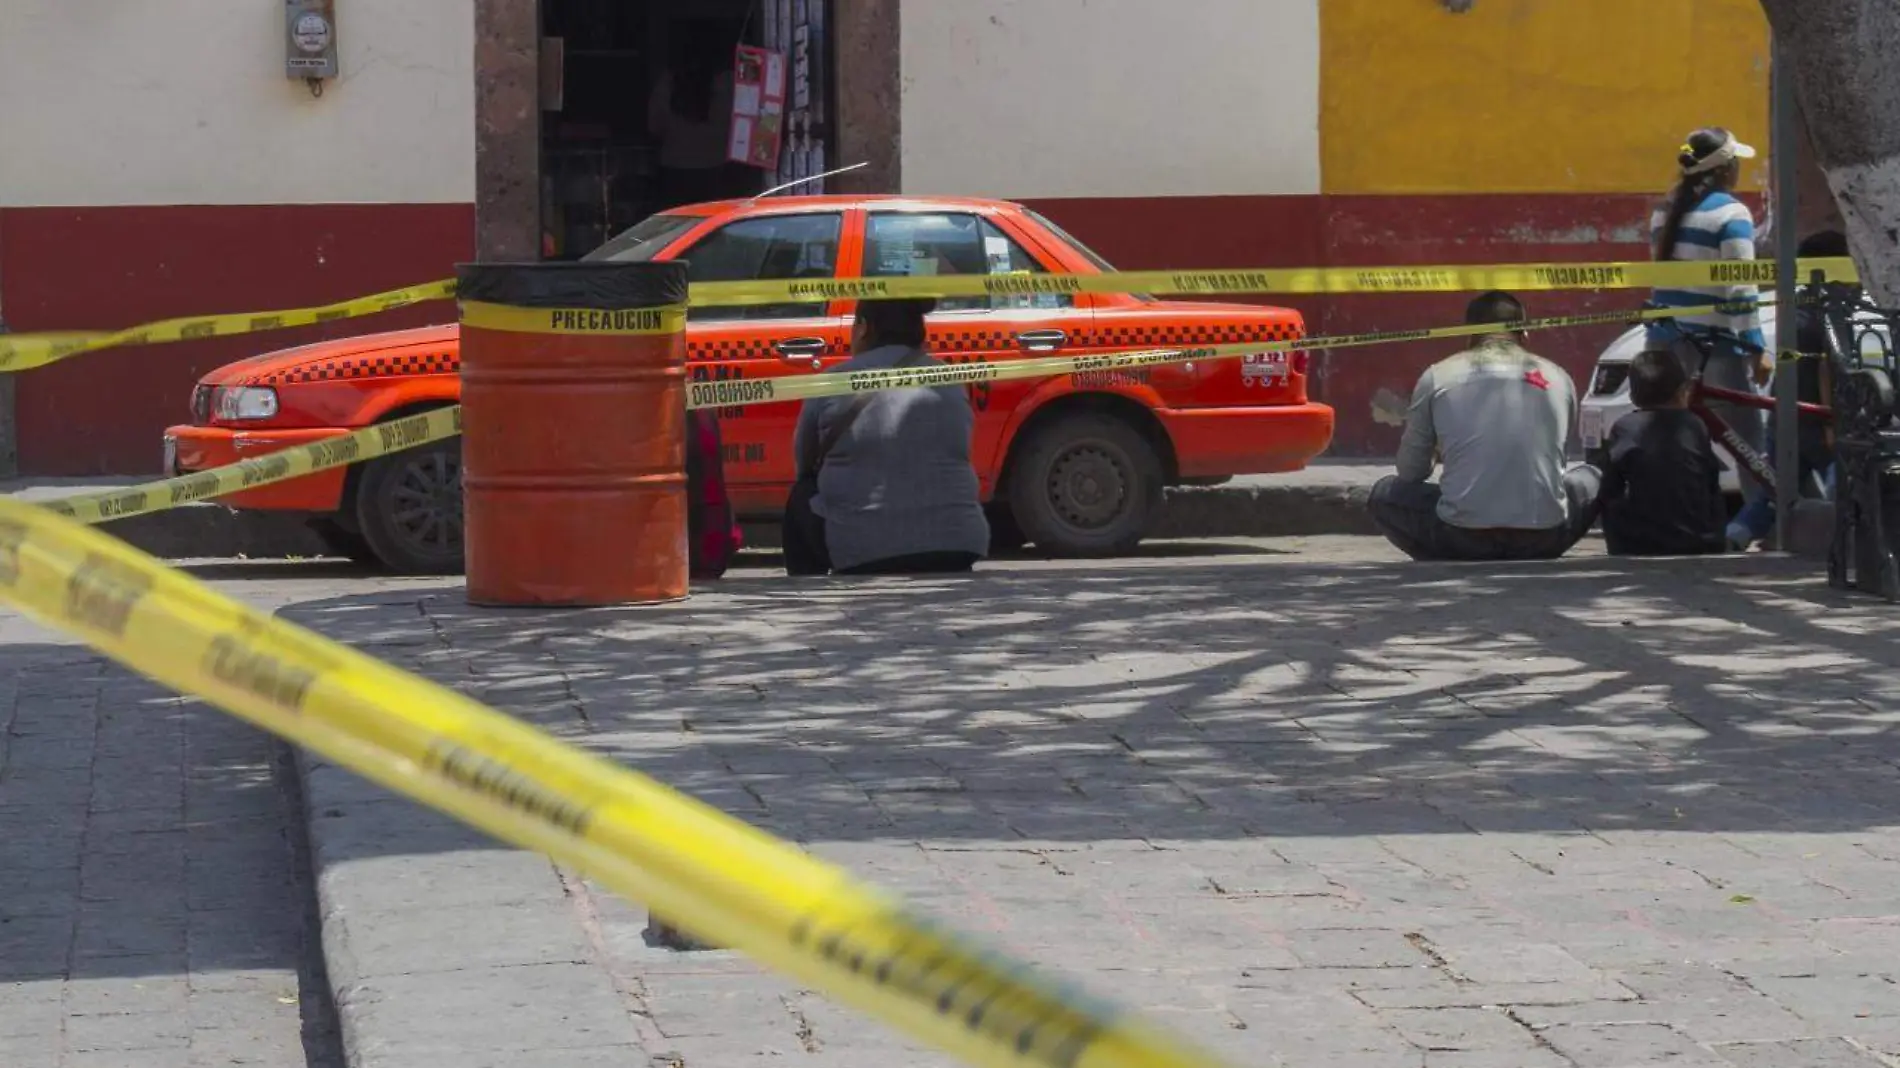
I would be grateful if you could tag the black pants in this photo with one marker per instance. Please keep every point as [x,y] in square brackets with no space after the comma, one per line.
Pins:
[1407,513]
[807,554]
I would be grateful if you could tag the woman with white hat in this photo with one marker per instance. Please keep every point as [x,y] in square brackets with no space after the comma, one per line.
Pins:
[1702,220]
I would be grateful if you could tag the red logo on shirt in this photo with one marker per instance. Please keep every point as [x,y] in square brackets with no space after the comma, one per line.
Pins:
[1536,378]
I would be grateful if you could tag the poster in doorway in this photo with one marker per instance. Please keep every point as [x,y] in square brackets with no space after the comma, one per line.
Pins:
[758,107]
[796,28]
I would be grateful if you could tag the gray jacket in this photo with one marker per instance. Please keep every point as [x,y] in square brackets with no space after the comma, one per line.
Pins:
[899,482]
[1498,416]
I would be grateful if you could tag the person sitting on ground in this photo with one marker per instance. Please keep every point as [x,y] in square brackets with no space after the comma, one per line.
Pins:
[1662,488]
[885,484]
[1499,417]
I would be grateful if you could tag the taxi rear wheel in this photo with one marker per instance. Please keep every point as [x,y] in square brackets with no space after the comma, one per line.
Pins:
[409,506]
[1086,485]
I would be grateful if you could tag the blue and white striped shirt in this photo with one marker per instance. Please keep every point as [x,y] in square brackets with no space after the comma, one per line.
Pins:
[1719,228]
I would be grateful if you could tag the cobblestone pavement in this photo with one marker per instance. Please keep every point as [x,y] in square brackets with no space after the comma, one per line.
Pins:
[153,901]
[1313,809]
[1310,808]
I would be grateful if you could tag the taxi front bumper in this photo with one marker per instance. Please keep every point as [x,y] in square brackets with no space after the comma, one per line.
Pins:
[191,449]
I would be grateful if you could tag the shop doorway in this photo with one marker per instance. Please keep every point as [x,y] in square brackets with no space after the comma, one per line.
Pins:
[637,108]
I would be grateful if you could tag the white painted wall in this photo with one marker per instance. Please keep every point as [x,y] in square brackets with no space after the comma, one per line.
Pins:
[159,102]
[1110,98]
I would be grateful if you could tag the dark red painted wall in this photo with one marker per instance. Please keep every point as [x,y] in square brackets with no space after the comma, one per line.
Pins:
[106,268]
[1360,231]
[101,268]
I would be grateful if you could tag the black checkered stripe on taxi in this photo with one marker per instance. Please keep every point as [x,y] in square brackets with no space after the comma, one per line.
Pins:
[750,348]
[394,365]
[970,340]
[1153,337]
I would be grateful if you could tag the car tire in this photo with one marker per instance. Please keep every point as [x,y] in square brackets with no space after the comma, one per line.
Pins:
[409,507]
[338,540]
[1085,485]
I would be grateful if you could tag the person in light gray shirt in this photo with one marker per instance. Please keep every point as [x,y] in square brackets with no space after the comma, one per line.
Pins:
[885,484]
[1498,417]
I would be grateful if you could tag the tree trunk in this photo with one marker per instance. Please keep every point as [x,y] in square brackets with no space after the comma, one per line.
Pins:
[1815,209]
[1841,55]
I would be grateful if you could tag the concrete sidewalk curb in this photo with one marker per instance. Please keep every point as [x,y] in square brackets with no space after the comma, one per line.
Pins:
[418,912]
[208,531]
[1285,506]
[1324,499]
[194,531]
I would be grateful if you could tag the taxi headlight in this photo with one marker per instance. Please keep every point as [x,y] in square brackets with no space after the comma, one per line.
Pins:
[242,403]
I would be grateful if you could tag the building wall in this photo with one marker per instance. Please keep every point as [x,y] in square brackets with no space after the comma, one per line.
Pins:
[1216,133]
[1110,98]
[1523,130]
[1532,96]
[158,163]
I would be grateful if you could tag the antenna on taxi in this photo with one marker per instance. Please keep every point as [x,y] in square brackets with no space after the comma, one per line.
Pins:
[813,178]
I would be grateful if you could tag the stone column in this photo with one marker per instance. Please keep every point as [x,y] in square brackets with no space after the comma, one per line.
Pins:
[868,94]
[507,130]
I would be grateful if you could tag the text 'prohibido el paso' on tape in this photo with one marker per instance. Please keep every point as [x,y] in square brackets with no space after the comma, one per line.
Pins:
[719,879]
[26,351]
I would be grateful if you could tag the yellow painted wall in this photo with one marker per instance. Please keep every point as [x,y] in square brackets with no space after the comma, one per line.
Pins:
[1533,96]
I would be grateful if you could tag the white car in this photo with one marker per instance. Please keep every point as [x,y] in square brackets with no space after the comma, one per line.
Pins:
[1607,397]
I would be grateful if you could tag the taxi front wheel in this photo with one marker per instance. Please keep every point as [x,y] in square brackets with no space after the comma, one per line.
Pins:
[409,506]
[1087,484]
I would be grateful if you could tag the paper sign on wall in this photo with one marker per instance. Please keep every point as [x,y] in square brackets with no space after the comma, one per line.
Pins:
[758,107]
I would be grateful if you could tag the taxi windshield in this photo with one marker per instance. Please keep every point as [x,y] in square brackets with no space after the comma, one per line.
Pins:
[644,241]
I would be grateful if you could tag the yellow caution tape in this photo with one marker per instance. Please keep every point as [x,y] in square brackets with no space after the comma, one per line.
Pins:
[366,444]
[734,392]
[23,352]
[385,438]
[583,321]
[1522,277]
[719,879]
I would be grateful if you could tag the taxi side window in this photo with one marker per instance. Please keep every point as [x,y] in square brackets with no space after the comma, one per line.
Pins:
[933,243]
[768,248]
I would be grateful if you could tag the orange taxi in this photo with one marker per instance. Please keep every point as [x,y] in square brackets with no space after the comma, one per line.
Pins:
[1074,464]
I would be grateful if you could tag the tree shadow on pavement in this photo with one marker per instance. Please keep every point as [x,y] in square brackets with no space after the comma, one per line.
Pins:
[1173,701]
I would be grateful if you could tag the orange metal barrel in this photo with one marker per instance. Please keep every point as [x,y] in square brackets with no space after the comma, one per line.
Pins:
[573,439]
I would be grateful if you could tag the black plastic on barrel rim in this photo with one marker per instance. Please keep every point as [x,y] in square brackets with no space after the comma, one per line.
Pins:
[604,286]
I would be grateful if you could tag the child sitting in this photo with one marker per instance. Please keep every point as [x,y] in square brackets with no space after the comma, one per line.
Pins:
[1662,494]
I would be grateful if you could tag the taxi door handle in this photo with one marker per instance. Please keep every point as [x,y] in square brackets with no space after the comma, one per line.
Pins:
[801,350]
[1042,340]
